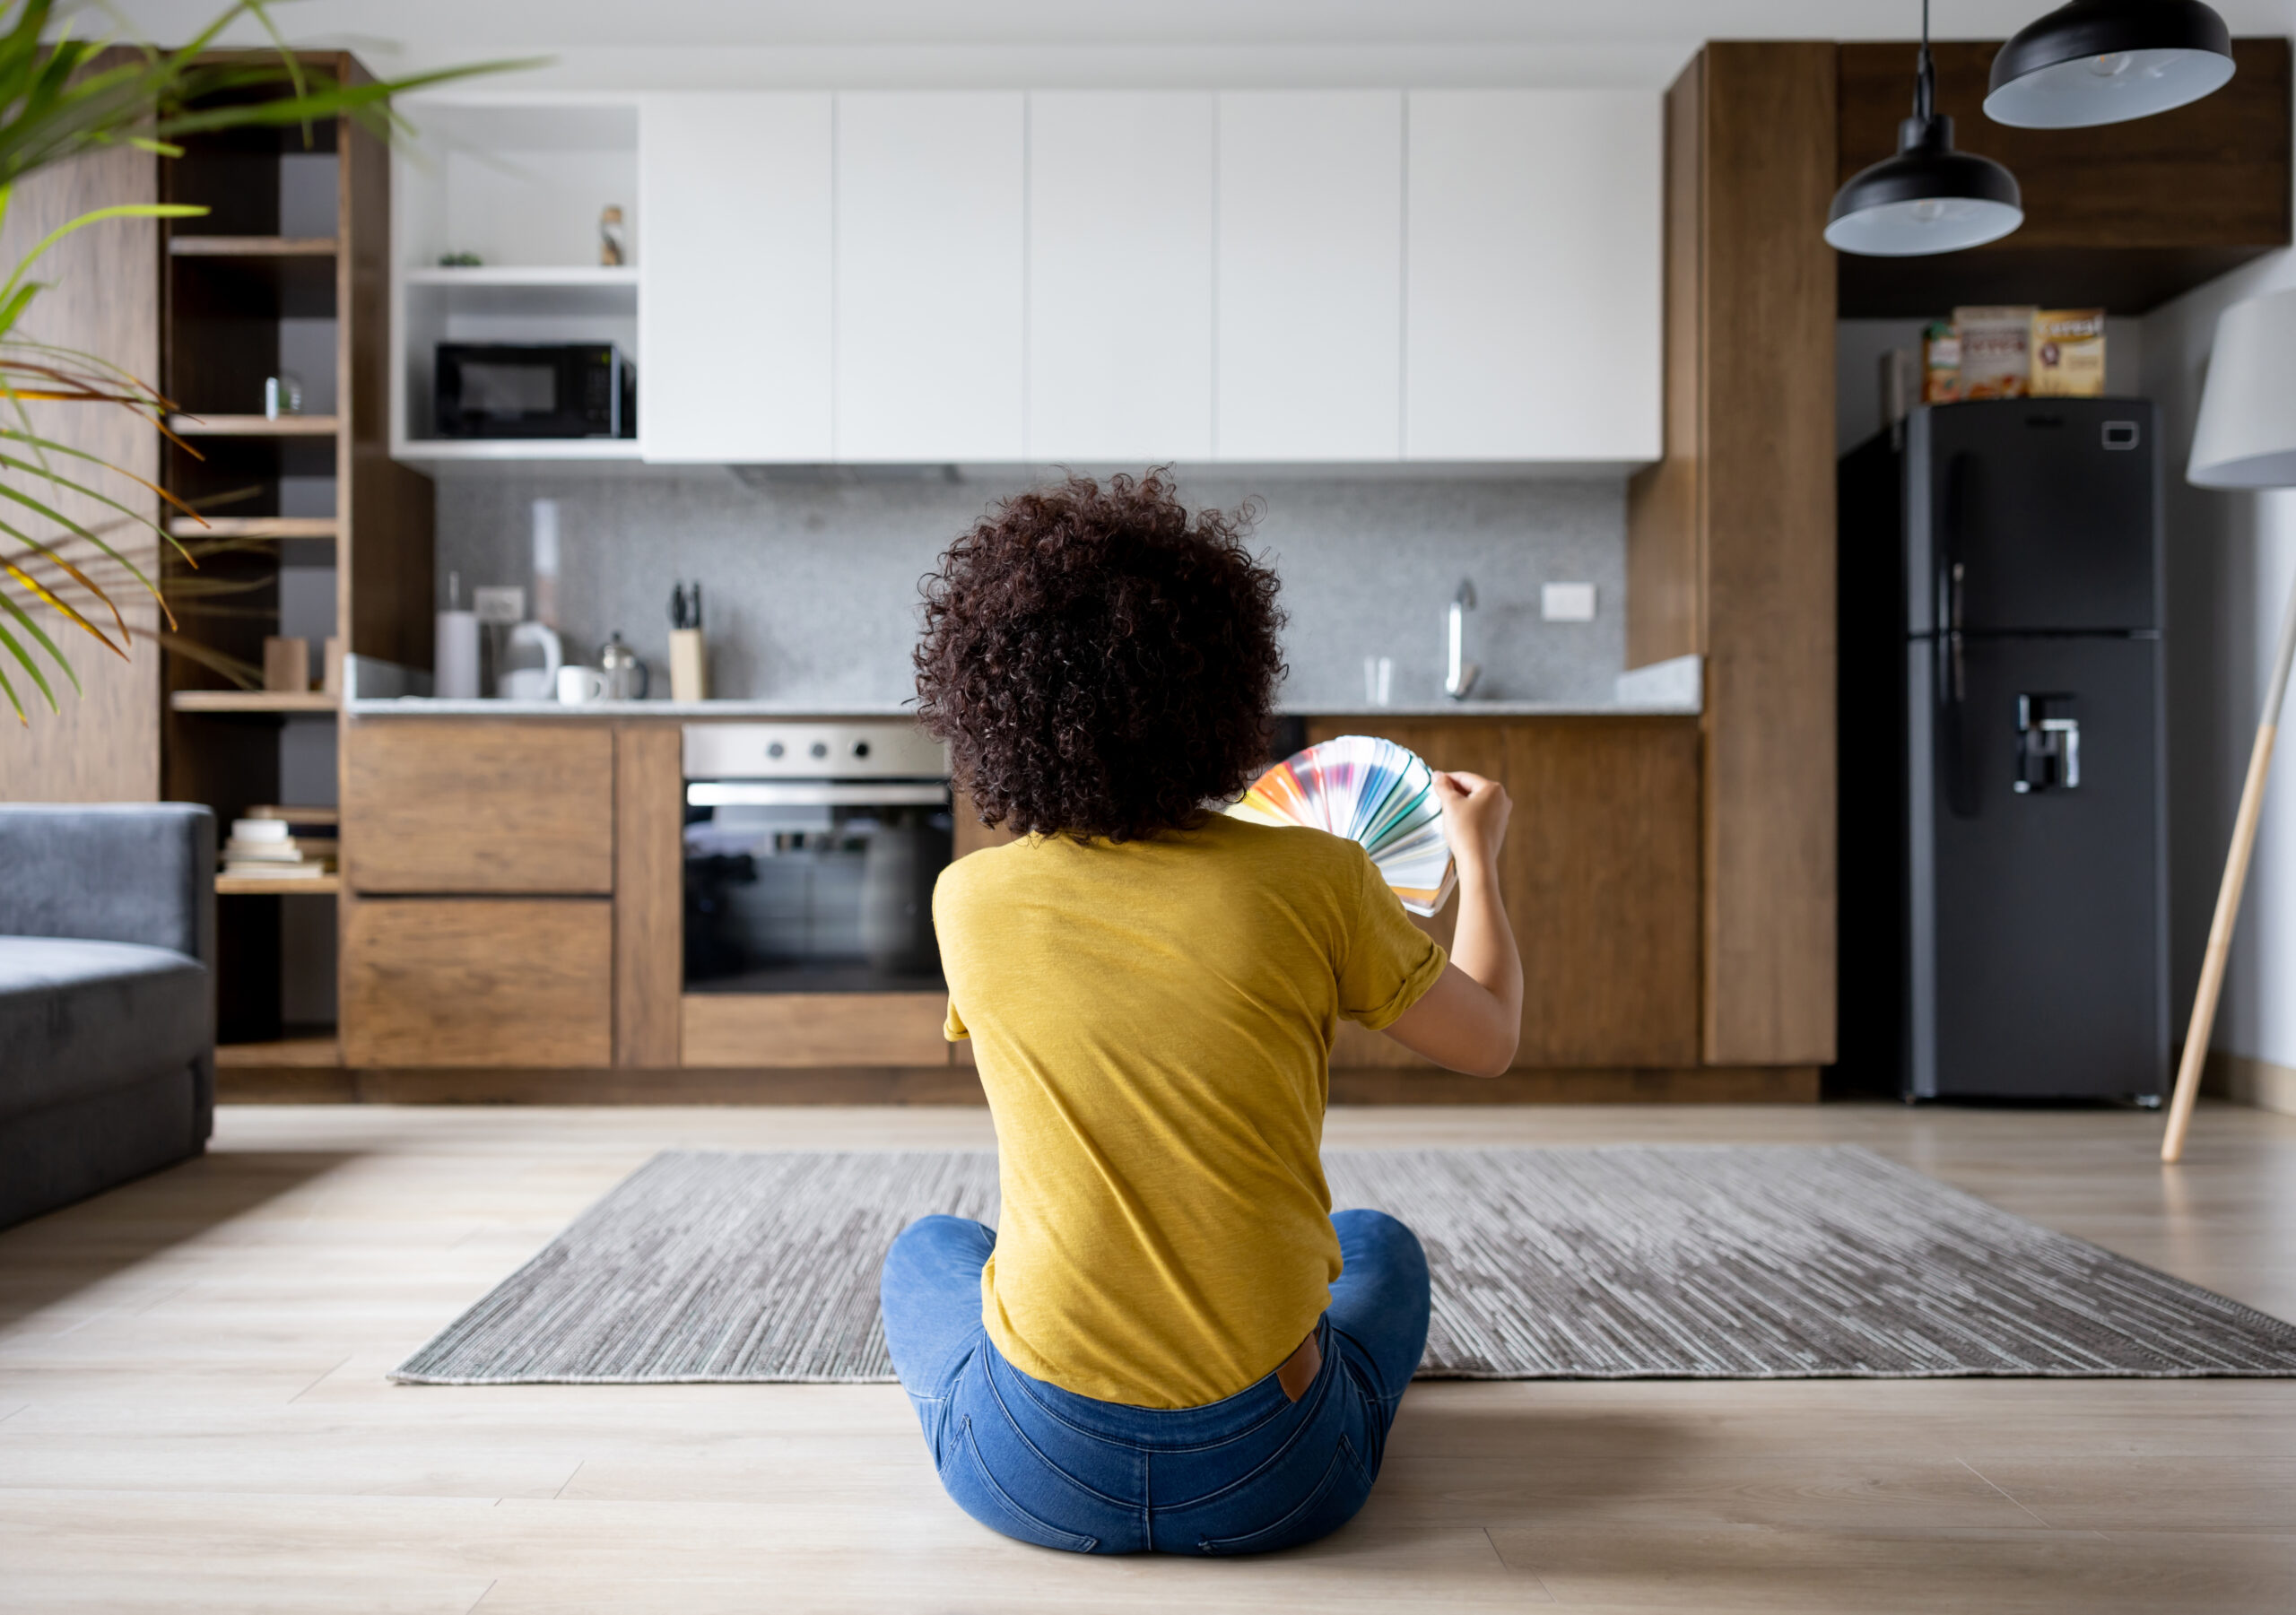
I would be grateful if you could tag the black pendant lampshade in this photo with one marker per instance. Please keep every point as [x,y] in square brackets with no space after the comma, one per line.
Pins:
[2106,61]
[1928,197]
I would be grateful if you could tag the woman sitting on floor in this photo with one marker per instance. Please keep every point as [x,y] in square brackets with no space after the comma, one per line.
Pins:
[1170,1342]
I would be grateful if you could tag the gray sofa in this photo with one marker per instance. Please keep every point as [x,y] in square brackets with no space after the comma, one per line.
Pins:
[107,996]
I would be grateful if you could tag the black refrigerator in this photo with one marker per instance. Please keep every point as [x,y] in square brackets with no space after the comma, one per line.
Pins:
[2004,919]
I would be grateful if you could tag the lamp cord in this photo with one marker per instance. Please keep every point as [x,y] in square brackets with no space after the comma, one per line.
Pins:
[1925,95]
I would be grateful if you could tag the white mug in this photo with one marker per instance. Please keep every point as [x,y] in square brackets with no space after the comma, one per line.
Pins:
[578,685]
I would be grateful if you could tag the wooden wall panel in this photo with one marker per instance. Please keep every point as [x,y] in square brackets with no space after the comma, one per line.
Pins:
[103,743]
[478,981]
[1665,557]
[384,588]
[486,805]
[1769,497]
[1600,877]
[767,1030]
[649,894]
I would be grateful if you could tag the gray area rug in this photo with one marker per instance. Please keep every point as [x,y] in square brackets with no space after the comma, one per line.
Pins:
[1625,1262]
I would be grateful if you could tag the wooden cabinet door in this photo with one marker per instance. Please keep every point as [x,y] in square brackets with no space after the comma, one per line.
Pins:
[814,1028]
[1600,876]
[929,275]
[733,305]
[1602,883]
[478,981]
[1310,275]
[485,806]
[1120,275]
[1531,294]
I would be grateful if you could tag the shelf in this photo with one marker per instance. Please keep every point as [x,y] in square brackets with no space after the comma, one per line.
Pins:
[515,450]
[252,701]
[537,274]
[251,247]
[289,1052]
[252,426]
[265,886]
[252,526]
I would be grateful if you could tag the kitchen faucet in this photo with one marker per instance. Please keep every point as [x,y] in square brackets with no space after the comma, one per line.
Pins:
[1460,673]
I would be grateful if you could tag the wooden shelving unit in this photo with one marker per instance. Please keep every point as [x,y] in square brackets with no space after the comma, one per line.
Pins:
[275,701]
[308,527]
[264,886]
[254,426]
[251,247]
[255,527]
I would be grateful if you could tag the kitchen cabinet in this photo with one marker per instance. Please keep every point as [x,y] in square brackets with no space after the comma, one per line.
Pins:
[734,307]
[478,982]
[485,806]
[1531,300]
[1600,878]
[929,283]
[1730,538]
[1119,275]
[1310,275]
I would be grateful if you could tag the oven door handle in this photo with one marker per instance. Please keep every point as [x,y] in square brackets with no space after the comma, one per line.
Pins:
[814,793]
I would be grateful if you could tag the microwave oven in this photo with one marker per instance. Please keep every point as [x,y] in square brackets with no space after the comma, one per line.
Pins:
[575,389]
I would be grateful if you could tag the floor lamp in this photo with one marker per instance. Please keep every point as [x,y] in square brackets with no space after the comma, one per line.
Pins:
[2245,437]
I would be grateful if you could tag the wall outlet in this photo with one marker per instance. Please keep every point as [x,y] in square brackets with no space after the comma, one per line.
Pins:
[498,603]
[1567,602]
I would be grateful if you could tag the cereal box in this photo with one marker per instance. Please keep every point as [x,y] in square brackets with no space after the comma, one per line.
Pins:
[2068,353]
[1996,351]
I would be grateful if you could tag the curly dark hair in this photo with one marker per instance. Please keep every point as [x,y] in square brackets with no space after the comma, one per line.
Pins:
[1100,662]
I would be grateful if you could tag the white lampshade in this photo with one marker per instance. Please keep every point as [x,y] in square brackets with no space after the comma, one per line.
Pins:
[2246,437]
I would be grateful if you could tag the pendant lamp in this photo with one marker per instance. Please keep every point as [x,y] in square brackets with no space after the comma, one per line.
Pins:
[1928,197]
[2106,61]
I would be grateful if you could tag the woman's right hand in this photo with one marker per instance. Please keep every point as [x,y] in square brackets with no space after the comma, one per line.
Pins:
[1475,810]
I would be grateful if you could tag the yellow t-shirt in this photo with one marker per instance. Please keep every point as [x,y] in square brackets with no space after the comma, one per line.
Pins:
[1152,1022]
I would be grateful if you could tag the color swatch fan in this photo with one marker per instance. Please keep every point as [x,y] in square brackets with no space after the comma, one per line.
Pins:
[1371,790]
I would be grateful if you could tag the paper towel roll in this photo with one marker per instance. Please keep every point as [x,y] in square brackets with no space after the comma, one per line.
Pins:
[454,675]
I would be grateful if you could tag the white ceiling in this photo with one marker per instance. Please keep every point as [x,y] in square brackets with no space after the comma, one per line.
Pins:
[607,42]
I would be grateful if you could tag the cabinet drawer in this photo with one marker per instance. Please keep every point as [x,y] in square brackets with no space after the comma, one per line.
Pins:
[478,807]
[478,981]
[814,1028]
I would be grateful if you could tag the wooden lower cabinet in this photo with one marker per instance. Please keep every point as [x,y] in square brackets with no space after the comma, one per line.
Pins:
[1600,875]
[480,806]
[764,1029]
[478,981]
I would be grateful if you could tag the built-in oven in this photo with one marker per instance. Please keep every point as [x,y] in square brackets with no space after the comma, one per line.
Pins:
[810,850]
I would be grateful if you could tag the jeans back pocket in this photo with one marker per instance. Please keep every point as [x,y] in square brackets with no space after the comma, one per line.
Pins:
[1331,1502]
[966,1478]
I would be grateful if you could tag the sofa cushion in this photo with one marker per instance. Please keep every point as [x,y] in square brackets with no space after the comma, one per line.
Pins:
[78,1018]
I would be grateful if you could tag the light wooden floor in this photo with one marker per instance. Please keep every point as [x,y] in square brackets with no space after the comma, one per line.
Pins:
[193,1414]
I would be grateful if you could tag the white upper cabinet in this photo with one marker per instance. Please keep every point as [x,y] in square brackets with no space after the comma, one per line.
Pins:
[1310,321]
[930,327]
[734,314]
[1531,303]
[1120,264]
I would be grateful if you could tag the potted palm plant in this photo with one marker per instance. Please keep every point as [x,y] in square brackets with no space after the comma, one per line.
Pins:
[60,99]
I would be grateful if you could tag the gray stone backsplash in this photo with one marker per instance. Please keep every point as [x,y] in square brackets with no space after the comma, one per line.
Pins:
[810,579]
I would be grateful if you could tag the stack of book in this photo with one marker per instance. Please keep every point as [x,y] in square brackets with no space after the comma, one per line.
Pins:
[276,844]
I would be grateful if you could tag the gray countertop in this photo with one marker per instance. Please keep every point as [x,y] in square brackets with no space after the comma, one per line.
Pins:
[426,707]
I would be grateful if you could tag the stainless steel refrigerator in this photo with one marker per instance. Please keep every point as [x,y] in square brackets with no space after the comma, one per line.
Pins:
[2002,818]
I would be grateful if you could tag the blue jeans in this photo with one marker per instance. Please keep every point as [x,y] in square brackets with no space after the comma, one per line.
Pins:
[1250,1473]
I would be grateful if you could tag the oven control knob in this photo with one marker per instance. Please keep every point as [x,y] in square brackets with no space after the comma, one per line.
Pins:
[776,749]
[821,748]
[860,747]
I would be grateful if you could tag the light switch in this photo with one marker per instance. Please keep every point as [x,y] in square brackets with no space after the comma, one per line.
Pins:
[498,602]
[1567,602]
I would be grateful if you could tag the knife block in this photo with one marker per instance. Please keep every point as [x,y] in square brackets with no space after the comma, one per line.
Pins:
[689,665]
